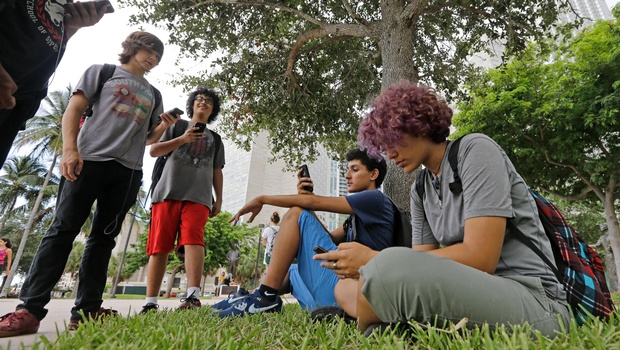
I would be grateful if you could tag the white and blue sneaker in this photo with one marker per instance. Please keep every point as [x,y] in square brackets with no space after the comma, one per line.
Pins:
[232,298]
[252,304]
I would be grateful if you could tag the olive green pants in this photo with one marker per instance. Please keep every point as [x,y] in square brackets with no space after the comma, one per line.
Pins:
[402,284]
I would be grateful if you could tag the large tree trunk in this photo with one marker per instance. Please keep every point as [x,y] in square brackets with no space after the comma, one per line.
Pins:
[7,212]
[33,215]
[396,44]
[614,233]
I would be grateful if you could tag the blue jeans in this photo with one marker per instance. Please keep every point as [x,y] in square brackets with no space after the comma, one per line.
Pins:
[115,188]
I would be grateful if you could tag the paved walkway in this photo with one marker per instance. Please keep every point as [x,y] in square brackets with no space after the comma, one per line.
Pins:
[59,313]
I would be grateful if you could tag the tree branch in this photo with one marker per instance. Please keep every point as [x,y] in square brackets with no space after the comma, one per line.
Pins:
[568,198]
[353,14]
[258,3]
[341,30]
[414,8]
[500,17]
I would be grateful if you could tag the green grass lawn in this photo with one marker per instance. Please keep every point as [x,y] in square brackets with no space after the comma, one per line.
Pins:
[293,329]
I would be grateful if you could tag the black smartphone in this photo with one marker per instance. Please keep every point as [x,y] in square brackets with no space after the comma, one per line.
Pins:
[306,173]
[100,3]
[201,127]
[177,112]
[319,250]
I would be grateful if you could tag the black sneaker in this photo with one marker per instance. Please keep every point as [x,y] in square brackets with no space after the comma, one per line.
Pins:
[149,307]
[329,314]
[191,302]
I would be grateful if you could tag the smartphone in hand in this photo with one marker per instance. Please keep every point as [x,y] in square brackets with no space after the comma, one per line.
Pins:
[177,112]
[100,3]
[306,173]
[319,250]
[201,127]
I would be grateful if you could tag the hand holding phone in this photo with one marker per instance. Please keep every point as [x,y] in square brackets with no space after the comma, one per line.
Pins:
[176,112]
[319,250]
[306,173]
[100,3]
[201,127]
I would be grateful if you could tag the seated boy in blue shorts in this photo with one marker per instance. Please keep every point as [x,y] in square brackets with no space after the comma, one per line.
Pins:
[369,210]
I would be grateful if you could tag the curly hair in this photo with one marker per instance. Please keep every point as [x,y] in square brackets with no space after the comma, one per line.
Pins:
[207,92]
[275,217]
[140,40]
[371,163]
[404,108]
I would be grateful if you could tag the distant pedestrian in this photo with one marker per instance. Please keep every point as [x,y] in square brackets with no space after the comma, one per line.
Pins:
[6,257]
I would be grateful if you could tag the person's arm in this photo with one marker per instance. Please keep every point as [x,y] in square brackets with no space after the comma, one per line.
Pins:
[218,182]
[71,162]
[264,241]
[482,244]
[7,89]
[9,260]
[316,203]
[79,15]
[167,120]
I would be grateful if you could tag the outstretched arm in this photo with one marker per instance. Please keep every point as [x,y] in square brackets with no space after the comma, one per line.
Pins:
[316,203]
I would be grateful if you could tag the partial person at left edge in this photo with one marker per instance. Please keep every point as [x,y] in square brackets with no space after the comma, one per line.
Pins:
[33,38]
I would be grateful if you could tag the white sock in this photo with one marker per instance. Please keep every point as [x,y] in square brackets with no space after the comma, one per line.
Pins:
[195,290]
[152,300]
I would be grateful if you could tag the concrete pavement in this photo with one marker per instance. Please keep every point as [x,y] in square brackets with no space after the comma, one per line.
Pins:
[60,312]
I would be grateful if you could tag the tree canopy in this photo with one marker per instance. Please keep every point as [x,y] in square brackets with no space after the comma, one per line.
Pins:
[305,70]
[556,113]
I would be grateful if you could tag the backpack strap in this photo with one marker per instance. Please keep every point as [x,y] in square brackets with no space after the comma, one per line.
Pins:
[456,186]
[158,100]
[528,242]
[106,72]
[218,142]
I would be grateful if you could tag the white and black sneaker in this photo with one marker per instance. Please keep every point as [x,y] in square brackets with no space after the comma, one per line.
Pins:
[252,304]
[232,298]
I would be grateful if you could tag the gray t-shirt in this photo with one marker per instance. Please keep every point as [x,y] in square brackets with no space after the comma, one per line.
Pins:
[188,173]
[119,125]
[491,187]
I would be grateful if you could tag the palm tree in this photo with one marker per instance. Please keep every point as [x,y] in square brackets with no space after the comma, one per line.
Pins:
[44,134]
[21,179]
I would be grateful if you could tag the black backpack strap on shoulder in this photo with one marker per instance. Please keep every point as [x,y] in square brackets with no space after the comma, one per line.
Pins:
[419,183]
[158,100]
[456,187]
[106,72]
[217,139]
[528,242]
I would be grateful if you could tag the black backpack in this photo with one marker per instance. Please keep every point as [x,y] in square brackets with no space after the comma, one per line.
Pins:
[107,71]
[579,266]
[178,129]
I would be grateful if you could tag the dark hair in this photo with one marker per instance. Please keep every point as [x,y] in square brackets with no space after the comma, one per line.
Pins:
[275,217]
[140,40]
[369,162]
[207,92]
[7,241]
[404,108]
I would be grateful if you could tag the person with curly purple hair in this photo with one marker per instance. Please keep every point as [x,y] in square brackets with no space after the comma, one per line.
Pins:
[465,261]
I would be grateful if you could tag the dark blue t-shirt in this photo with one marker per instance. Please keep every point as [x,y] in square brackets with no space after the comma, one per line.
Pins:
[374,219]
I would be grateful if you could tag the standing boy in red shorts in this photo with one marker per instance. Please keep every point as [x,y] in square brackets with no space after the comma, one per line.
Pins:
[183,197]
